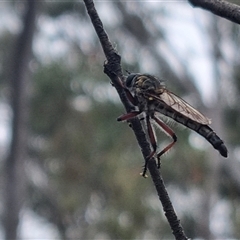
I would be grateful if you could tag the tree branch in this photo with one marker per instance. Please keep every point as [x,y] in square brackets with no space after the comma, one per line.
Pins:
[113,69]
[221,8]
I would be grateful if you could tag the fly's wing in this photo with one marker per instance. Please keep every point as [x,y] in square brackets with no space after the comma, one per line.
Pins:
[181,106]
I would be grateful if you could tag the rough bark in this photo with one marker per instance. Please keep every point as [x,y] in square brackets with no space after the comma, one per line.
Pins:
[220,8]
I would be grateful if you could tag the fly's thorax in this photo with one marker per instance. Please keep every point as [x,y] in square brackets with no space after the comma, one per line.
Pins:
[145,102]
[148,83]
[142,101]
[143,81]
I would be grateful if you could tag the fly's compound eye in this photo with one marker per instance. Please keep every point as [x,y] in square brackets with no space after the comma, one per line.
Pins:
[130,80]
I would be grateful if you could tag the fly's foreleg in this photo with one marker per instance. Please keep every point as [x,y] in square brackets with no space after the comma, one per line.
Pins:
[131,98]
[128,116]
[169,132]
[128,93]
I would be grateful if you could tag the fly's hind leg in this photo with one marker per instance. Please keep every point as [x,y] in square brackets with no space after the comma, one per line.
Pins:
[153,142]
[169,132]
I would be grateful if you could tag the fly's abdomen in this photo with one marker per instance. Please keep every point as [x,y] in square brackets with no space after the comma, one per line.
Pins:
[203,130]
[213,138]
[209,135]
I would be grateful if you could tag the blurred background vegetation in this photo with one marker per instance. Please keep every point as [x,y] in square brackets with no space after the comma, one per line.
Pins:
[75,173]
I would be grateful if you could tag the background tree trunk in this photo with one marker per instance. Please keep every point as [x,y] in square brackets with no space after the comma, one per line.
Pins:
[19,81]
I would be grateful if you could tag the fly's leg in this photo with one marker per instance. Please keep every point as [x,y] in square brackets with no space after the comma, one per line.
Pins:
[169,132]
[151,137]
[153,142]
[128,93]
[131,98]
[128,116]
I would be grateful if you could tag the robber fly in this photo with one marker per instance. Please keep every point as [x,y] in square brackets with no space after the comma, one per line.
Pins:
[150,97]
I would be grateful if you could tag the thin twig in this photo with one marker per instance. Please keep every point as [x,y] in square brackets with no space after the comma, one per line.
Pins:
[113,69]
[221,8]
